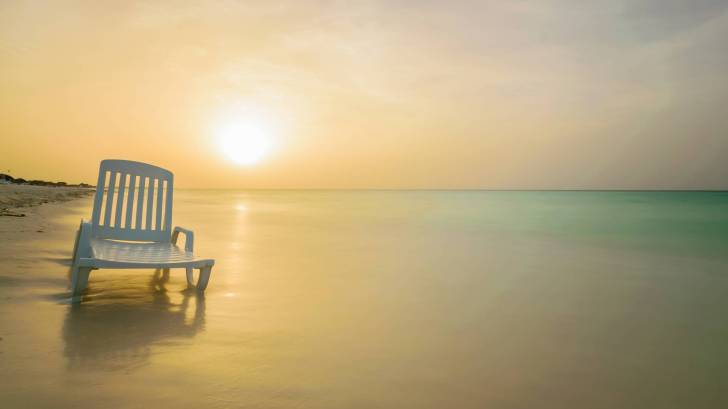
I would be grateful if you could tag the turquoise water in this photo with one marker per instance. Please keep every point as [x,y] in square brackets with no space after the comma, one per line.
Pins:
[391,299]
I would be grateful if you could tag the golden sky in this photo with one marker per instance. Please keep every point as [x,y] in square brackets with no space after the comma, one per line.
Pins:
[354,94]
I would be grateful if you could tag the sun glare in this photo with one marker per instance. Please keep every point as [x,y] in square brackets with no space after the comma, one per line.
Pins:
[244,141]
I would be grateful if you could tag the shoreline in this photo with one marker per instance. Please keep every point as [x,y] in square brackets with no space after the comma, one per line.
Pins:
[13,198]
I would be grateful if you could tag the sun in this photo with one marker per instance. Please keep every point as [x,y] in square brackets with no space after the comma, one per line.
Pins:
[244,141]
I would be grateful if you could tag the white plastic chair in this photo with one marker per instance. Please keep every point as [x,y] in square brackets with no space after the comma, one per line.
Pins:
[130,226]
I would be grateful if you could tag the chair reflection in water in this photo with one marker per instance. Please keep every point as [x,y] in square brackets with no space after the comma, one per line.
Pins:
[122,329]
[131,227]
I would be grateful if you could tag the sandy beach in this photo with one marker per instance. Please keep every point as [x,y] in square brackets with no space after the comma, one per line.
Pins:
[27,212]
[15,199]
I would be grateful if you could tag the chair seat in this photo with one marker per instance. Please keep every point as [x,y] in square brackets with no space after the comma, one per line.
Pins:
[124,254]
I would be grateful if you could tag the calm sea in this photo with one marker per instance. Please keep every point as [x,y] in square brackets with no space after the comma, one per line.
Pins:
[384,299]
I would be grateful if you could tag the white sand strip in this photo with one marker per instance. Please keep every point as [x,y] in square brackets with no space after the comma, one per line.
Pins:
[14,197]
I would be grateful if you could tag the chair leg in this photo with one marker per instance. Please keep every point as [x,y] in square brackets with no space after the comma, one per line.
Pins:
[75,248]
[165,275]
[190,277]
[79,279]
[204,278]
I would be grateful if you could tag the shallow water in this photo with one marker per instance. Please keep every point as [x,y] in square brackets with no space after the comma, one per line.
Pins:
[333,299]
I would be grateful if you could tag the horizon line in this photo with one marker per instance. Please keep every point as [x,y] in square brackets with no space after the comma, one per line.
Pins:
[467,189]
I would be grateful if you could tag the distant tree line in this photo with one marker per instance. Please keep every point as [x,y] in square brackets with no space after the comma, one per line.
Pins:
[7,179]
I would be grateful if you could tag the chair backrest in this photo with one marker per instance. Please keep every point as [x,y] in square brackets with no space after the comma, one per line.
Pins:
[133,202]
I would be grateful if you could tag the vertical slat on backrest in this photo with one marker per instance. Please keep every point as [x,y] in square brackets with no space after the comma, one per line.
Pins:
[140,203]
[109,199]
[130,201]
[168,206]
[120,199]
[98,199]
[158,207]
[150,204]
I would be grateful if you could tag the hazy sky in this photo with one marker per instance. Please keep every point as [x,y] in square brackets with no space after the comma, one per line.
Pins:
[389,94]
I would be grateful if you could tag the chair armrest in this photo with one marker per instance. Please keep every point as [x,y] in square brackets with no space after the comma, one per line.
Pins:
[189,237]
